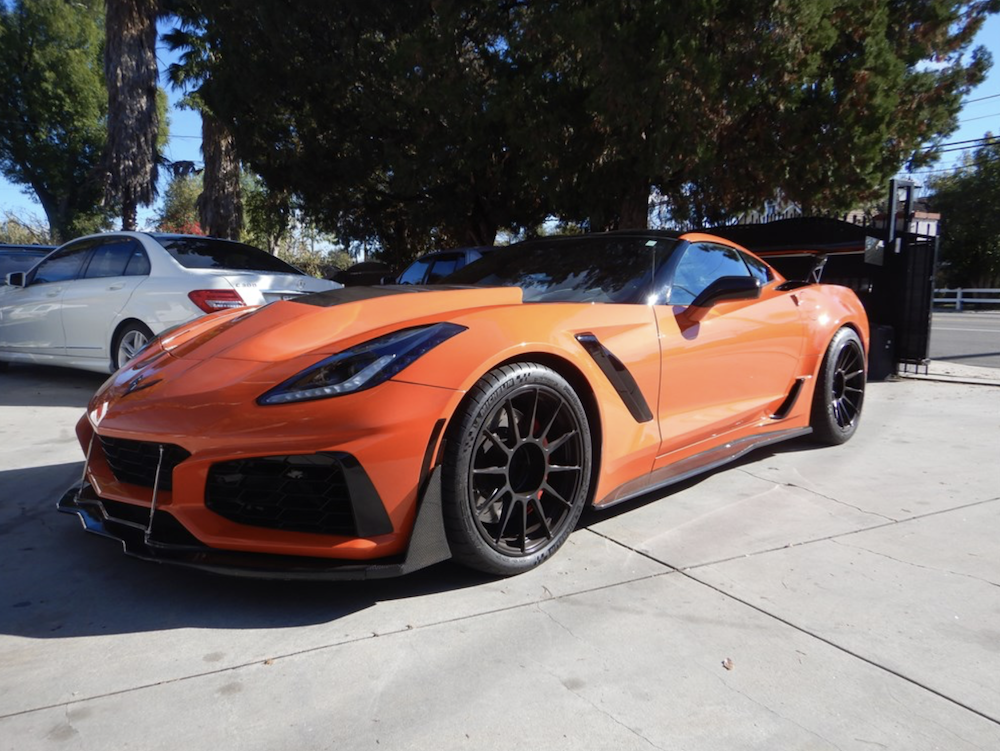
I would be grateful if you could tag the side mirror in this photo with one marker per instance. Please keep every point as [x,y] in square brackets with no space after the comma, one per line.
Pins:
[723,288]
[16,279]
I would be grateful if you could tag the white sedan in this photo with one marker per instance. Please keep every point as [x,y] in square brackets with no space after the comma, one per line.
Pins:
[94,302]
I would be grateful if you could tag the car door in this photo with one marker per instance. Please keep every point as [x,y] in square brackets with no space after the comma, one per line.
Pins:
[734,366]
[31,316]
[92,305]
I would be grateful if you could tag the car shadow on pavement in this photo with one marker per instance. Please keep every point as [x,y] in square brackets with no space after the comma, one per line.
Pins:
[593,516]
[60,582]
[43,386]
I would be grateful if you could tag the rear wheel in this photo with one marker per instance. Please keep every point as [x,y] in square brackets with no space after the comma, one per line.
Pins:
[840,390]
[131,338]
[517,469]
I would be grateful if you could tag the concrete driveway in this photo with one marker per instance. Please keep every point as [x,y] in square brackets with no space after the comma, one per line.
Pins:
[806,598]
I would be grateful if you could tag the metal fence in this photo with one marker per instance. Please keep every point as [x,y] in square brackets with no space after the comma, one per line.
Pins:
[961,297]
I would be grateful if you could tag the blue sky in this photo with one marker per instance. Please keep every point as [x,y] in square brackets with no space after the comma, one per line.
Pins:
[980,114]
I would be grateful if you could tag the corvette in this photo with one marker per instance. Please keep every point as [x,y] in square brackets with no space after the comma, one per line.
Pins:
[370,431]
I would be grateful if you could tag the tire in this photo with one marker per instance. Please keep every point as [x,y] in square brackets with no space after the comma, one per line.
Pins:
[129,339]
[840,390]
[517,469]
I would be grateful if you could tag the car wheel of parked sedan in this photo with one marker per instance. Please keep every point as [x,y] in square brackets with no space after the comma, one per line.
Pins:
[517,469]
[131,338]
[840,391]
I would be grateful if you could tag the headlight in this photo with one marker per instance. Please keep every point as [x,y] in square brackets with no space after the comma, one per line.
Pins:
[361,367]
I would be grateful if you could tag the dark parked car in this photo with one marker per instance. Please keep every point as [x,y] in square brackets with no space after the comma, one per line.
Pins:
[433,267]
[21,257]
[366,273]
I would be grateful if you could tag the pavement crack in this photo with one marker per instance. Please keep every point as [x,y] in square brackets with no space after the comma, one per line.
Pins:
[560,624]
[772,710]
[598,708]
[915,565]
[811,491]
[840,647]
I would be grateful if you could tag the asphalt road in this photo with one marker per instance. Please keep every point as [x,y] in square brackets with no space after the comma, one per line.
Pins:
[969,338]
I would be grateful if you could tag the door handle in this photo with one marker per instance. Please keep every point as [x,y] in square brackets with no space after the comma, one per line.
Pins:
[116,286]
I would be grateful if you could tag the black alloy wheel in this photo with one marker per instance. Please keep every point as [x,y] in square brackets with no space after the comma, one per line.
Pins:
[840,391]
[517,469]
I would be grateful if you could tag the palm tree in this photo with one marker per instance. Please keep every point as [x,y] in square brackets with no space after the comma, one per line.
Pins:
[220,205]
[133,123]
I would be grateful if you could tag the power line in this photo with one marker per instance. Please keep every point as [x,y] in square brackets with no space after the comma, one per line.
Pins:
[981,99]
[981,117]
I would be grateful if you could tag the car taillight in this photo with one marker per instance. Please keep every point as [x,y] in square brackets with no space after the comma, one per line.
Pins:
[211,300]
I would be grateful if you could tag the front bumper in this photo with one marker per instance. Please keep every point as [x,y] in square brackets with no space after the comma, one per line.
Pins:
[160,538]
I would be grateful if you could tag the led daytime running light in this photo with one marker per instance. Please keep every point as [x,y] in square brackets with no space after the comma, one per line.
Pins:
[361,367]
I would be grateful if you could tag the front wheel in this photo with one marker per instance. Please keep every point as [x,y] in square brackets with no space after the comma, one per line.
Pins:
[132,337]
[840,390]
[517,469]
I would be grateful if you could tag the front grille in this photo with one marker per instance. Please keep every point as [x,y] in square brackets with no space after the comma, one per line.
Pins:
[135,462]
[303,493]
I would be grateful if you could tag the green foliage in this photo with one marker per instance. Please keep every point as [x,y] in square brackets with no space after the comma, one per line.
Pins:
[23,230]
[423,125]
[265,214]
[180,206]
[54,107]
[970,221]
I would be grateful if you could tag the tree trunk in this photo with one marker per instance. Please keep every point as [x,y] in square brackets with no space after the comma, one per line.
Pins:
[634,212]
[133,123]
[129,209]
[220,205]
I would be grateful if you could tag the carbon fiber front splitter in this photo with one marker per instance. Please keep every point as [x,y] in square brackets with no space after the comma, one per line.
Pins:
[161,539]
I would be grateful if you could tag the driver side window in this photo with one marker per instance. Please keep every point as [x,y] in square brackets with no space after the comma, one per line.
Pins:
[702,264]
[63,265]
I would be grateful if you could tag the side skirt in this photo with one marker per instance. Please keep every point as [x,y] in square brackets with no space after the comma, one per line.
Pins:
[696,465]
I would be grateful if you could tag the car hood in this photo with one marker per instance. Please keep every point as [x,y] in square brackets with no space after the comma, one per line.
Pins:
[325,322]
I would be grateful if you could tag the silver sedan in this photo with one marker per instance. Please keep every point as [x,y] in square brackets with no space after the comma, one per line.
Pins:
[93,303]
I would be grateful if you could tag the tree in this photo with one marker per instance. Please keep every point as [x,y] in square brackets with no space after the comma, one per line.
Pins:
[387,133]
[717,105]
[130,158]
[434,123]
[970,224]
[221,203]
[54,105]
[180,206]
[23,230]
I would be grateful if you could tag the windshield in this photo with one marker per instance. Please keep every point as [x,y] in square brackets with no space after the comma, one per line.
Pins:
[589,268]
[211,253]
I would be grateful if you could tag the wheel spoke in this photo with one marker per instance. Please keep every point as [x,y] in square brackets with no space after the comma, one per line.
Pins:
[564,468]
[534,414]
[524,526]
[498,442]
[512,426]
[836,413]
[505,519]
[480,508]
[552,420]
[554,445]
[550,491]
[489,471]
[537,503]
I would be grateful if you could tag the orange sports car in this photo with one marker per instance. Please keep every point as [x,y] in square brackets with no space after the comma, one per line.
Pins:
[370,431]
